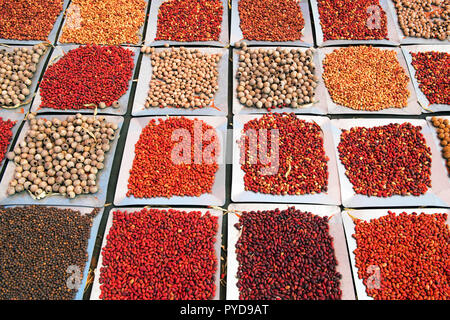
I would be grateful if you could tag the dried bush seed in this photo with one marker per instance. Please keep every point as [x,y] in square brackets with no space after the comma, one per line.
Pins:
[183,78]
[157,254]
[38,245]
[411,253]
[366,78]
[286,254]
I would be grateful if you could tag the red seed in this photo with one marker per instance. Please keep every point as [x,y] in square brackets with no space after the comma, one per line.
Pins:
[5,136]
[159,255]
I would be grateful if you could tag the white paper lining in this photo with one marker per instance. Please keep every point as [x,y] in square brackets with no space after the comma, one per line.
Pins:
[320,91]
[36,75]
[412,107]
[336,231]
[143,85]
[367,215]
[217,195]
[437,195]
[307,39]
[423,100]
[52,35]
[88,200]
[238,193]
[96,291]
[153,22]
[410,40]
[57,54]
[392,34]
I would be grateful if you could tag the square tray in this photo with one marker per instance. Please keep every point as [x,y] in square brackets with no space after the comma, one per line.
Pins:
[435,196]
[57,54]
[153,25]
[336,231]
[412,108]
[320,91]
[143,86]
[392,35]
[217,197]
[90,200]
[238,193]
[307,34]
[423,100]
[96,291]
[367,215]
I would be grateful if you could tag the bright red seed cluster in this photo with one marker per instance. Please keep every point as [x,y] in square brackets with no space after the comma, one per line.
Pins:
[404,256]
[433,75]
[160,255]
[352,20]
[299,165]
[28,20]
[86,76]
[286,254]
[5,136]
[189,20]
[387,160]
[174,157]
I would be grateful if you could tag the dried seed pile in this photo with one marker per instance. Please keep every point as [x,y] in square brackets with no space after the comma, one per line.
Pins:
[189,20]
[297,166]
[104,22]
[443,131]
[86,77]
[411,252]
[6,136]
[28,20]
[424,18]
[366,78]
[276,78]
[39,244]
[433,75]
[17,68]
[352,20]
[271,20]
[387,160]
[61,156]
[160,255]
[183,78]
[286,254]
[170,159]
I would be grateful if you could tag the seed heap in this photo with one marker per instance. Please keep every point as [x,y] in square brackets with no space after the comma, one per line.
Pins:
[387,160]
[352,20]
[424,18]
[302,163]
[61,156]
[39,244]
[189,20]
[411,252]
[17,68]
[443,131]
[6,136]
[286,254]
[104,21]
[160,255]
[271,20]
[183,78]
[167,164]
[366,78]
[86,77]
[433,75]
[28,20]
[275,78]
